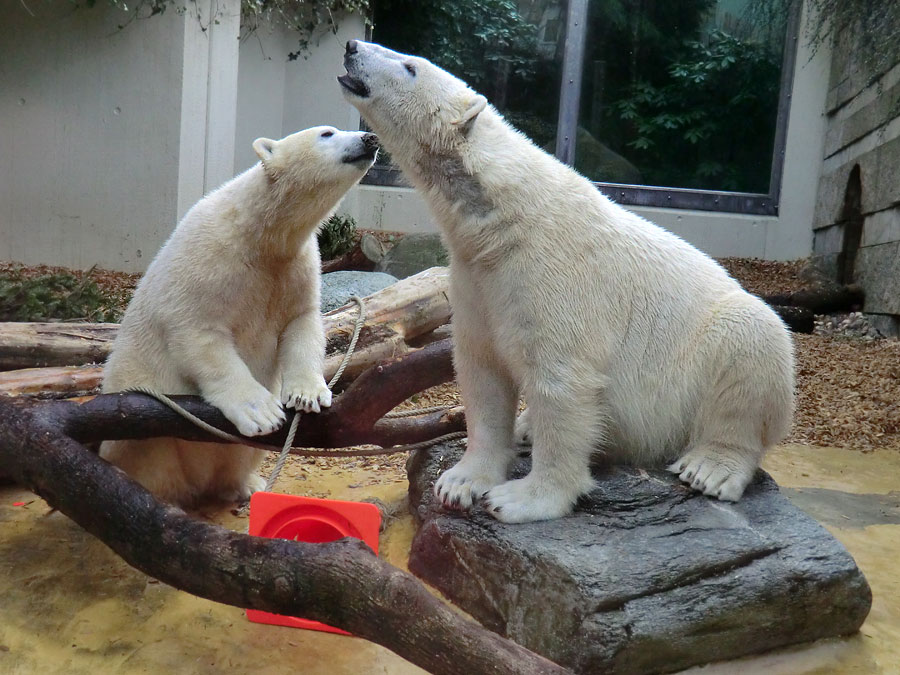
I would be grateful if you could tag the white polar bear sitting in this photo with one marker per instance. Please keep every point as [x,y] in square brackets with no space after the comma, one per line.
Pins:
[618,334]
[229,309]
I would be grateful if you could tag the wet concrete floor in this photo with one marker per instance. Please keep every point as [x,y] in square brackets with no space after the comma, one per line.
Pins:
[68,605]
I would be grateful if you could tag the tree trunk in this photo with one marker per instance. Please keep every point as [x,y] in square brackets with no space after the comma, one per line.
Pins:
[61,382]
[340,583]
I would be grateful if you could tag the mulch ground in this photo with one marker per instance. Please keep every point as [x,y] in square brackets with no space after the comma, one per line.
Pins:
[848,389]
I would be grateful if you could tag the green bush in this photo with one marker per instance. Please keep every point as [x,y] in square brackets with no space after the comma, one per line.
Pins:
[53,296]
[337,236]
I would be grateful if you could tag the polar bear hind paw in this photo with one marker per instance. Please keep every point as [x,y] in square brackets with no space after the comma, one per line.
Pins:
[528,499]
[715,472]
[459,487]
[253,483]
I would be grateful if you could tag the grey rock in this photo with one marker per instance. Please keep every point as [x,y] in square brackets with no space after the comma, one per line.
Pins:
[645,577]
[412,254]
[337,287]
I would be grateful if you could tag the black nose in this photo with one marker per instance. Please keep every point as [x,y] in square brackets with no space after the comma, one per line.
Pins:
[351,46]
[370,141]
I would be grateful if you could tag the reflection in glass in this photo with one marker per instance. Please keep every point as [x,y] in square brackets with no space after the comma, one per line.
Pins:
[680,94]
[507,50]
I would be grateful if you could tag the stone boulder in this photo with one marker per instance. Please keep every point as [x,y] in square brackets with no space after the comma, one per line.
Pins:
[645,577]
[412,254]
[337,287]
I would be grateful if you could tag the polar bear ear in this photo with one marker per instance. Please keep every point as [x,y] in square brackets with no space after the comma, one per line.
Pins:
[475,106]
[265,149]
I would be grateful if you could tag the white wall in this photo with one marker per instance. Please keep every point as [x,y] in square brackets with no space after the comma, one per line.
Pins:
[277,97]
[90,135]
[109,135]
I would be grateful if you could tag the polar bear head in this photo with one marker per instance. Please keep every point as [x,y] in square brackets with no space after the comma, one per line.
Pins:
[407,99]
[318,157]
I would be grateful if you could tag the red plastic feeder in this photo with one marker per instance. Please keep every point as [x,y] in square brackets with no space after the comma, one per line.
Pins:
[315,521]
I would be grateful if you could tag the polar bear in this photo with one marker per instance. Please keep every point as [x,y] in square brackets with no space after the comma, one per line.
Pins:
[229,309]
[619,335]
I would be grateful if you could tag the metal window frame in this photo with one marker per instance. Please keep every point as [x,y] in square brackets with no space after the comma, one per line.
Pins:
[750,203]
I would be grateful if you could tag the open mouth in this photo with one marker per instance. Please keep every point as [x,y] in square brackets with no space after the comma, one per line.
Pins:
[354,86]
[367,156]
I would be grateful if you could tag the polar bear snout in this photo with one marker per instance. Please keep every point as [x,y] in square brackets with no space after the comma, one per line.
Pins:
[364,151]
[370,142]
[351,46]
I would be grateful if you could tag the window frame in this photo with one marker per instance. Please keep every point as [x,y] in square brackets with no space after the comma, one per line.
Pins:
[746,203]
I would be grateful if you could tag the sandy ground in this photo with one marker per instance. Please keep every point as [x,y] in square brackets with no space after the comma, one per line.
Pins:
[70,606]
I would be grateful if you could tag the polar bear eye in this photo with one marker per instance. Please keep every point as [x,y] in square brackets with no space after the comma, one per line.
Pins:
[326,134]
[410,68]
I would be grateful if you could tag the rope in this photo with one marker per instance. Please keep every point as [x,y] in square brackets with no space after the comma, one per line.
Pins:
[289,439]
[295,422]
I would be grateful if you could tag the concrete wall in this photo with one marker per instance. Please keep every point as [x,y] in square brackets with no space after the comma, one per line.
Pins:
[110,135]
[90,140]
[277,97]
[858,201]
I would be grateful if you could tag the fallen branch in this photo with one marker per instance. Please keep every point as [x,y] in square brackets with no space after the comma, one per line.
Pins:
[340,583]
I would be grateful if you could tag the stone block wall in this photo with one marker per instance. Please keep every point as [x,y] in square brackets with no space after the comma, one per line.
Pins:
[856,226]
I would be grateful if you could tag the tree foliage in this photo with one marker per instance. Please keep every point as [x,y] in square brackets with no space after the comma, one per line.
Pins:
[711,122]
[308,18]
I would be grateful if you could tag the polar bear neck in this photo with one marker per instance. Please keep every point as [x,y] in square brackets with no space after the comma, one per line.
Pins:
[286,213]
[464,182]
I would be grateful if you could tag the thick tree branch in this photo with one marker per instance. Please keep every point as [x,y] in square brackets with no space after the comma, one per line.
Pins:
[352,420]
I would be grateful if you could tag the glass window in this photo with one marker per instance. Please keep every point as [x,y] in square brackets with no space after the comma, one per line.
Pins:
[680,94]
[684,98]
[507,50]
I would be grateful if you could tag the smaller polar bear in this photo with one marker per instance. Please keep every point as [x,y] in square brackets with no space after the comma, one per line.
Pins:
[619,335]
[229,309]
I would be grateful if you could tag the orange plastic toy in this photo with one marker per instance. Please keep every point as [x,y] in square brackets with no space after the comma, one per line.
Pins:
[311,520]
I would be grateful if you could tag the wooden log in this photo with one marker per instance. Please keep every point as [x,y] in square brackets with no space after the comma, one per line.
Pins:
[59,382]
[409,310]
[340,583]
[353,419]
[797,319]
[37,345]
[822,299]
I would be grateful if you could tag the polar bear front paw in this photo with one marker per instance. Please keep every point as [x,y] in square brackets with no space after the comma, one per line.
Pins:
[255,414]
[462,485]
[524,500]
[307,394]
[715,473]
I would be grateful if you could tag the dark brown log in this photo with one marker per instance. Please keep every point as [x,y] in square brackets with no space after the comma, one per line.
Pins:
[353,419]
[821,299]
[340,583]
[798,319]
[355,259]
